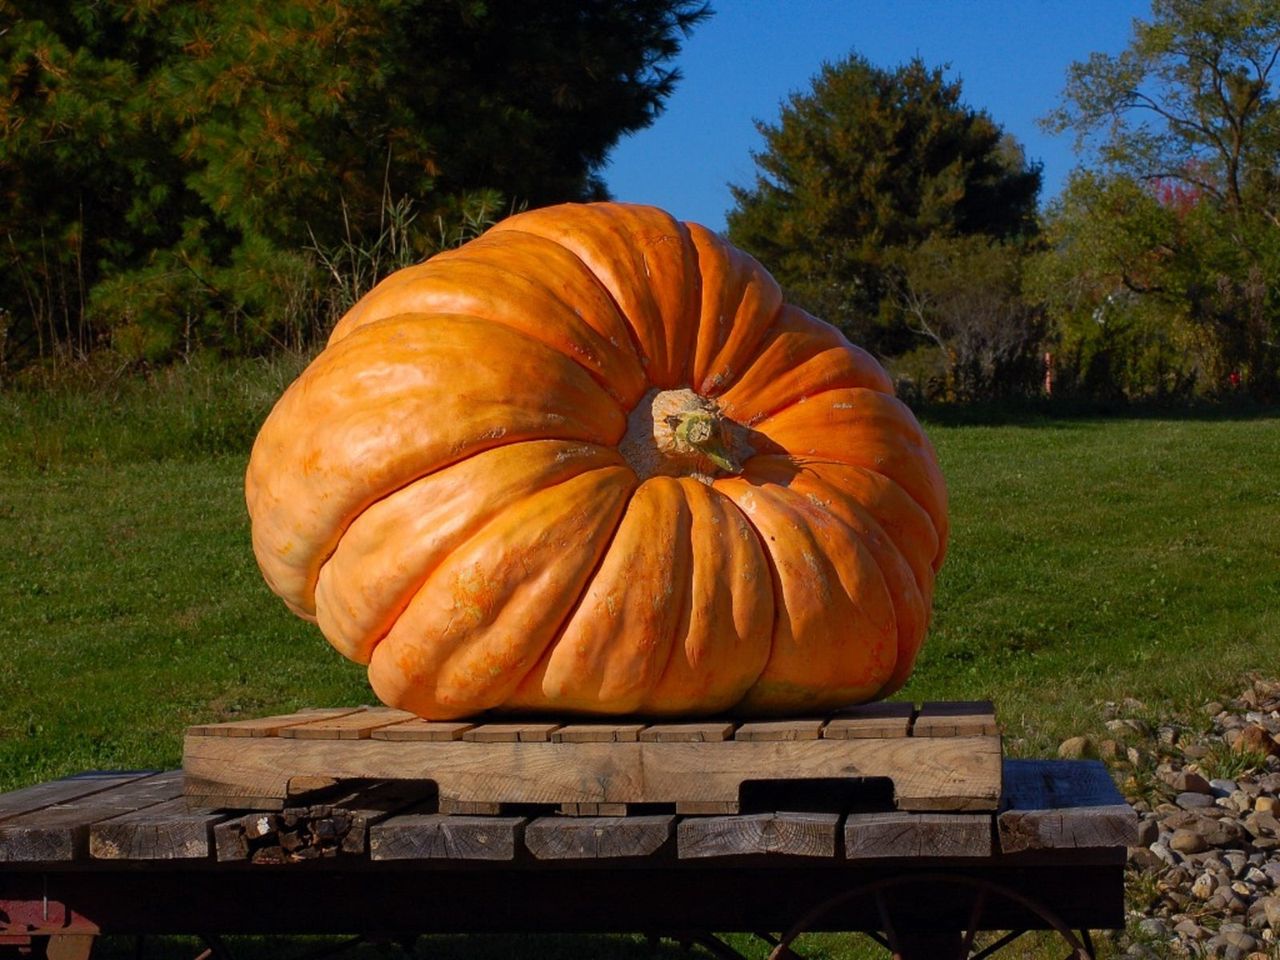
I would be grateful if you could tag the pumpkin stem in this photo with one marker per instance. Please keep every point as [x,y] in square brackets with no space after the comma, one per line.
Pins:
[678,433]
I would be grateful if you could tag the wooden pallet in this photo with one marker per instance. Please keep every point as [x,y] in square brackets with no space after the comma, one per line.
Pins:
[940,757]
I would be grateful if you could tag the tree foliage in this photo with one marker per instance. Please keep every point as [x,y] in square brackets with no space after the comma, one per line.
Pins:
[165,164]
[1182,218]
[866,163]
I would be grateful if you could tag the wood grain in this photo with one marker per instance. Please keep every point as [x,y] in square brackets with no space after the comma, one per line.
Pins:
[419,729]
[511,733]
[896,834]
[60,832]
[953,773]
[351,726]
[788,834]
[687,732]
[165,831]
[434,836]
[597,838]
[780,730]
[268,726]
[956,718]
[598,733]
[1056,804]
[888,718]
[41,795]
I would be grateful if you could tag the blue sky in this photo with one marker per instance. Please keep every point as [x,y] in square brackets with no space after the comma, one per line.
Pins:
[1011,57]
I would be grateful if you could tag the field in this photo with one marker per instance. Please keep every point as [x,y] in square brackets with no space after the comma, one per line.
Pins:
[1093,558]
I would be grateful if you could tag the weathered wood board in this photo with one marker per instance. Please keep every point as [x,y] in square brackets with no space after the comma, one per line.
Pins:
[1060,804]
[596,768]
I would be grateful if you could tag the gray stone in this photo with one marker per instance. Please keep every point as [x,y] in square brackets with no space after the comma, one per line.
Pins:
[1223,787]
[1187,781]
[1242,941]
[1155,928]
[1194,801]
[1189,929]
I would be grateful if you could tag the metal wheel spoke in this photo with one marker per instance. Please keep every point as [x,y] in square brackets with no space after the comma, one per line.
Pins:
[1000,944]
[883,909]
[975,915]
[878,939]
[1087,940]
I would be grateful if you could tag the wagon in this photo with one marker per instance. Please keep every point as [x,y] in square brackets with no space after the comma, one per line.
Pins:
[899,822]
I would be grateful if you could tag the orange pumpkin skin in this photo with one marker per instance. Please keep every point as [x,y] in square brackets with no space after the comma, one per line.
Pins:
[591,463]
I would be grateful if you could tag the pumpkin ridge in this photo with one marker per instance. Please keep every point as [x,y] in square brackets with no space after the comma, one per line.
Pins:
[479,528]
[572,608]
[882,548]
[685,620]
[402,602]
[636,347]
[609,222]
[484,259]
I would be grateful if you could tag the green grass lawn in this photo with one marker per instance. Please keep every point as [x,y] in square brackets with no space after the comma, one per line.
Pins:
[1091,559]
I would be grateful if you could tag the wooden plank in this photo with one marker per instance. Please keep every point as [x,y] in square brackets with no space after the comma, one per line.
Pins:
[888,718]
[897,834]
[60,832]
[477,808]
[687,732]
[954,773]
[268,726]
[700,808]
[419,729]
[788,834]
[165,831]
[511,733]
[593,809]
[41,795]
[351,726]
[597,838]
[780,730]
[433,836]
[1062,804]
[598,733]
[956,718]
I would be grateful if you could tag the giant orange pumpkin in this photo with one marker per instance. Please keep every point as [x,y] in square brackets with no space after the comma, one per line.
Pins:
[590,462]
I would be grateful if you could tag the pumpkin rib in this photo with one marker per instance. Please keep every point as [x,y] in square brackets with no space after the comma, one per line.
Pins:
[924,572]
[733,566]
[604,656]
[814,605]
[901,580]
[782,371]
[300,460]
[397,542]
[636,346]
[500,615]
[724,338]
[501,281]
[830,429]
[615,241]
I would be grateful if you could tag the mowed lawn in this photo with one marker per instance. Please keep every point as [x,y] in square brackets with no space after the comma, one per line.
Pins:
[1091,559]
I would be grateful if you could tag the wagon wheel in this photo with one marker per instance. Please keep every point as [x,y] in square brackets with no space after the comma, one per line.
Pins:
[905,943]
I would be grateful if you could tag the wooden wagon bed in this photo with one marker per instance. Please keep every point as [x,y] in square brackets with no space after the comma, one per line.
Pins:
[132,853]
